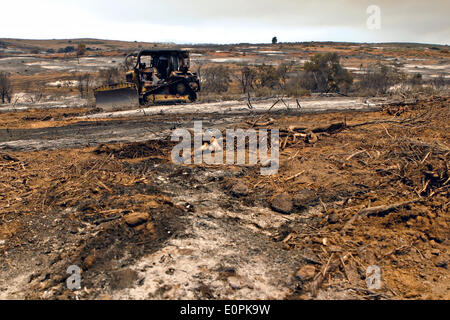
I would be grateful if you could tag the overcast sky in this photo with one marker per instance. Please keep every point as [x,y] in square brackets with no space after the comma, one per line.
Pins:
[226,21]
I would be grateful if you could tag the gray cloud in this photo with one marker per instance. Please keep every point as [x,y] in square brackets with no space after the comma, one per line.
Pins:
[404,19]
[242,20]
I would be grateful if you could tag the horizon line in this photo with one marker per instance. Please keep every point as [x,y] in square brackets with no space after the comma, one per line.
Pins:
[230,43]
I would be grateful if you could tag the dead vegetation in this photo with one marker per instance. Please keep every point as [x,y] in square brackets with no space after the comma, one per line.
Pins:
[360,189]
[289,69]
[6,88]
[388,181]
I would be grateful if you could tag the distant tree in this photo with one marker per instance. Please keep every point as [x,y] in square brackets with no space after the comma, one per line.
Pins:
[81,49]
[6,88]
[67,49]
[216,79]
[198,67]
[416,79]
[283,71]
[379,78]
[440,81]
[246,78]
[267,76]
[328,74]
[110,75]
[299,84]
[274,40]
[36,91]
[84,82]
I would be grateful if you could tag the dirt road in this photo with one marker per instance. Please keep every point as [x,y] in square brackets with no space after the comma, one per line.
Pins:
[159,121]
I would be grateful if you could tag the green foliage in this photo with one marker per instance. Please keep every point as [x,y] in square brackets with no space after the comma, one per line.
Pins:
[327,73]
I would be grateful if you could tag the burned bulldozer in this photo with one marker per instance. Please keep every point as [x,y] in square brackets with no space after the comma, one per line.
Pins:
[156,76]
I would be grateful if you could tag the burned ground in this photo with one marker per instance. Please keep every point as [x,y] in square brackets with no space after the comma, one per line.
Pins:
[143,227]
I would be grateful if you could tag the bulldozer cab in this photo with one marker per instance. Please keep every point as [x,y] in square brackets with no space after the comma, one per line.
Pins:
[162,62]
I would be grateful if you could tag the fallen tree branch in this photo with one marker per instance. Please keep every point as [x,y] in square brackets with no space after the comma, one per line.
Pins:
[294,176]
[267,112]
[287,107]
[400,103]
[261,124]
[327,269]
[377,211]
[7,157]
[374,122]
[332,128]
[438,145]
[108,219]
[370,293]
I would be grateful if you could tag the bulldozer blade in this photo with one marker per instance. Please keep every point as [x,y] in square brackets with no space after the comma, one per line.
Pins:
[167,99]
[110,98]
